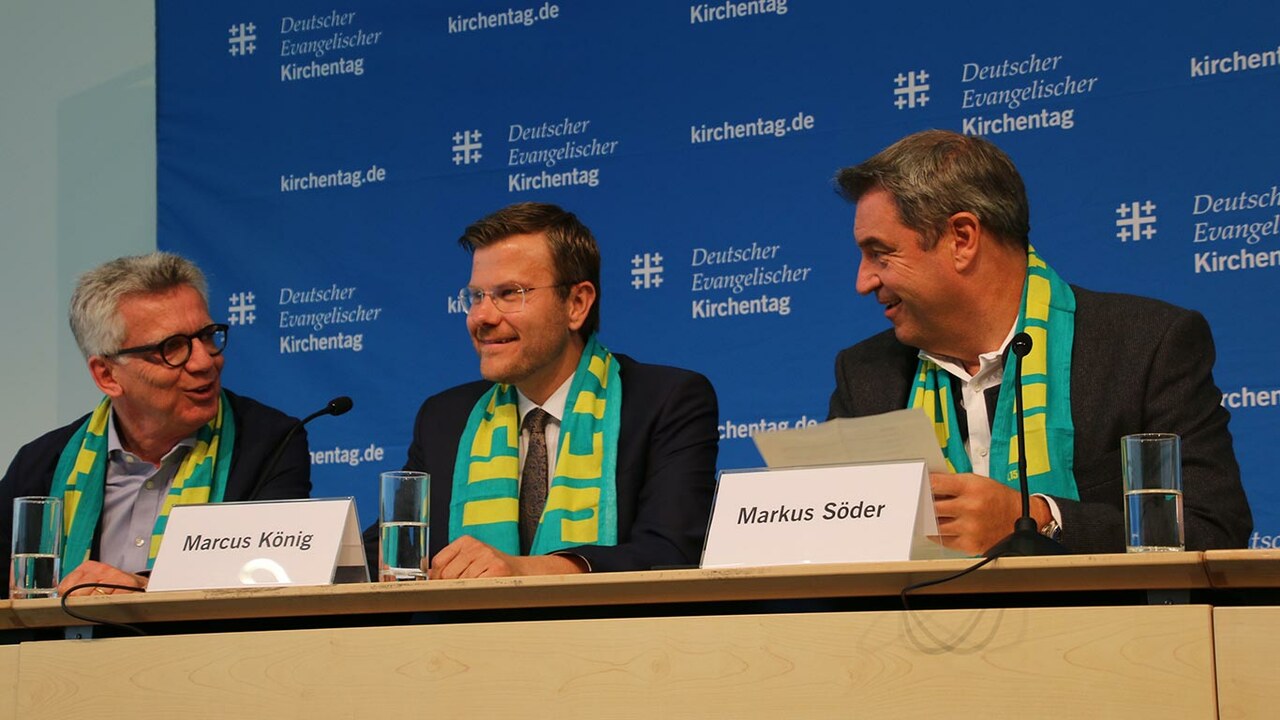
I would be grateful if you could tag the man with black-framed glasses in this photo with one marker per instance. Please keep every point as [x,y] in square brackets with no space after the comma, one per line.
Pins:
[567,457]
[166,432]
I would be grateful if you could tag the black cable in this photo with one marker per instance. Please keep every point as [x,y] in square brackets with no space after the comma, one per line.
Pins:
[938,581]
[98,621]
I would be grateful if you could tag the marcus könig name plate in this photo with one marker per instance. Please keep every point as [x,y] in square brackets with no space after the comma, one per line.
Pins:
[279,543]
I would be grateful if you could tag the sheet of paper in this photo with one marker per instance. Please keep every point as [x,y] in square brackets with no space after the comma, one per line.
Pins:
[893,436]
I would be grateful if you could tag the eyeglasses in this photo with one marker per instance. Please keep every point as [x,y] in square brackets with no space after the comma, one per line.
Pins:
[175,350]
[508,299]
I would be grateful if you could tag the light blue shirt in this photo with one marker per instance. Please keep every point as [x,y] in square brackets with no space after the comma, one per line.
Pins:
[132,500]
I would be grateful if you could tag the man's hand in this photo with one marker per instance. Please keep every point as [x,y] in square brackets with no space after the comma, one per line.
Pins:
[92,571]
[467,557]
[976,512]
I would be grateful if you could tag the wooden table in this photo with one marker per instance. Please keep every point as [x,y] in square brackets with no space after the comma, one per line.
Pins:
[1163,661]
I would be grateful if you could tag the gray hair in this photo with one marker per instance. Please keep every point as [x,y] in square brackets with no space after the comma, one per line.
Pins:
[95,304]
[935,174]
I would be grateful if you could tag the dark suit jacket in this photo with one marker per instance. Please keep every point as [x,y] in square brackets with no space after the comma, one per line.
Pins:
[1137,365]
[259,429]
[666,465]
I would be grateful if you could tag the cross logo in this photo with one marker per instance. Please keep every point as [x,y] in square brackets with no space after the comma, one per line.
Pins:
[646,271]
[242,39]
[911,89]
[1136,221]
[466,147]
[240,310]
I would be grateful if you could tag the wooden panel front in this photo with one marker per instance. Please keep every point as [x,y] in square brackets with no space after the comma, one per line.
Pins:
[8,681]
[1100,662]
[1245,642]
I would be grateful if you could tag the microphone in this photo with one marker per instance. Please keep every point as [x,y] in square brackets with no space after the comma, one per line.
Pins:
[1025,540]
[336,406]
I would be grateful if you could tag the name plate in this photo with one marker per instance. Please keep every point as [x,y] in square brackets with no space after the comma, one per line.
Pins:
[832,514]
[277,543]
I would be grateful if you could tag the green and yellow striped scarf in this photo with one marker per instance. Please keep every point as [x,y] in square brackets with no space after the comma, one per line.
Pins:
[81,476]
[1047,314]
[582,507]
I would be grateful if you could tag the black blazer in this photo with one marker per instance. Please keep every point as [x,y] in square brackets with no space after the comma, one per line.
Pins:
[259,429]
[667,448]
[1137,365]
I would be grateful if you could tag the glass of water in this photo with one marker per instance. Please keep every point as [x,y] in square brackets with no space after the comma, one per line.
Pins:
[1152,465]
[37,548]
[403,511]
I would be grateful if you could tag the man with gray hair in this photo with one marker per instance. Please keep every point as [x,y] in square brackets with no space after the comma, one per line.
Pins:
[165,432]
[943,224]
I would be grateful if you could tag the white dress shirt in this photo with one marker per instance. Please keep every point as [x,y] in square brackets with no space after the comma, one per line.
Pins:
[972,397]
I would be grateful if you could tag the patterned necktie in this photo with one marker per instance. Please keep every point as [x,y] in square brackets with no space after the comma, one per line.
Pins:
[533,479]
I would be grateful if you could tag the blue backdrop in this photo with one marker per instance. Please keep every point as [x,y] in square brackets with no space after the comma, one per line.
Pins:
[319,160]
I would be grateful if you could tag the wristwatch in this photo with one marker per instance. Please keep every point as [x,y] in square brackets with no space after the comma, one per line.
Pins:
[1051,529]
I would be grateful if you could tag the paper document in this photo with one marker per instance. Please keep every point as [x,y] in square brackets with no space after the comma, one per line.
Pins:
[893,436]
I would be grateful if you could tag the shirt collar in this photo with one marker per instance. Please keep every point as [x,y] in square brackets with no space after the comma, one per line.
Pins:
[988,362]
[116,451]
[554,406]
